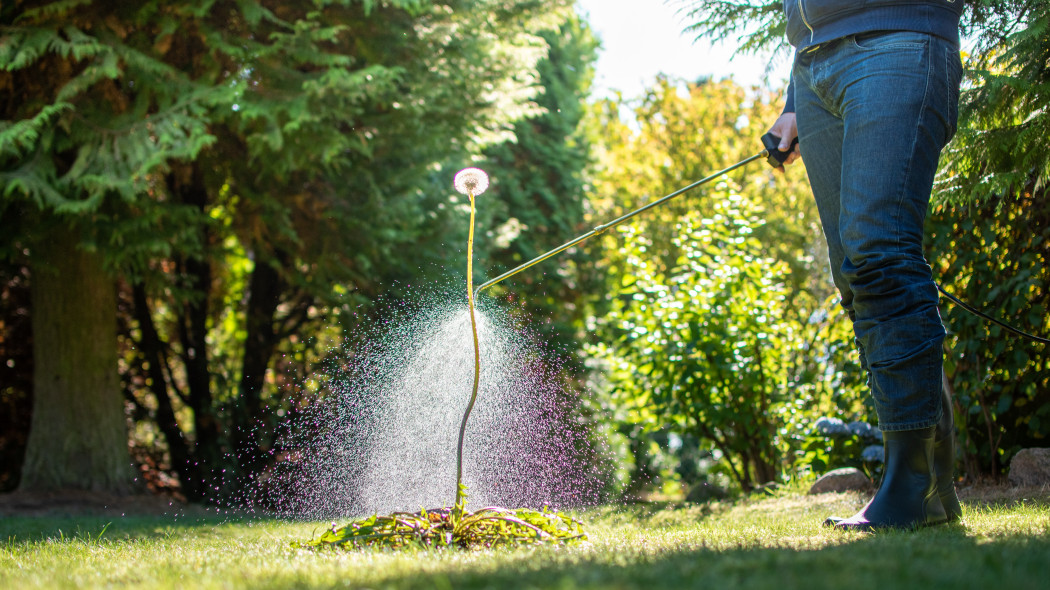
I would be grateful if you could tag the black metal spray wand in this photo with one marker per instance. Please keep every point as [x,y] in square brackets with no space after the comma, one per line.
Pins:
[771,153]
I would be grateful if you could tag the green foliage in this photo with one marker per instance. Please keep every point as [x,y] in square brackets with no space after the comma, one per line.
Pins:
[996,256]
[724,330]
[74,138]
[1000,148]
[712,347]
[817,453]
[683,132]
[990,232]
[254,171]
[753,26]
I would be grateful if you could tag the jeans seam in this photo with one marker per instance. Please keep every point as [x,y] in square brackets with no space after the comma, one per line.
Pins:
[914,144]
[908,425]
[891,45]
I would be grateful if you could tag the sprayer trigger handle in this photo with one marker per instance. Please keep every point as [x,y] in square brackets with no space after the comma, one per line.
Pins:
[775,157]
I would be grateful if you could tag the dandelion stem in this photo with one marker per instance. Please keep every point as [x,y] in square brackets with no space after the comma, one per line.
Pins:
[477,356]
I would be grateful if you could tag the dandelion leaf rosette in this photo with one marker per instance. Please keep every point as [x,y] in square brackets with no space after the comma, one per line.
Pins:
[443,527]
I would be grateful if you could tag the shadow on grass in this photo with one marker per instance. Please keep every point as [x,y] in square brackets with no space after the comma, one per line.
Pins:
[92,527]
[728,551]
[933,559]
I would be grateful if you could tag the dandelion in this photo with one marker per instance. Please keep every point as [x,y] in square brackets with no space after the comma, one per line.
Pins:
[447,527]
[471,181]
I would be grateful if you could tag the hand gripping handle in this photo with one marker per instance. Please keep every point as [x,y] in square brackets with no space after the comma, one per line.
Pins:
[775,157]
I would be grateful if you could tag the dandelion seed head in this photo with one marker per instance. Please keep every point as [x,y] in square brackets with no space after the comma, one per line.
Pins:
[471,181]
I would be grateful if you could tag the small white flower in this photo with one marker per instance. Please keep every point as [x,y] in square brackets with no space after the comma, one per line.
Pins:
[471,181]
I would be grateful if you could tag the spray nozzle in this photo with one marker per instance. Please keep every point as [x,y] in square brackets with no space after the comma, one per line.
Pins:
[775,157]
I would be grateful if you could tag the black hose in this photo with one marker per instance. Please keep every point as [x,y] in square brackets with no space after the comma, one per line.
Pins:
[983,315]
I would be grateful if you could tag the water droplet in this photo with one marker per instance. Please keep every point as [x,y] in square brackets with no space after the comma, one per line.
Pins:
[383,438]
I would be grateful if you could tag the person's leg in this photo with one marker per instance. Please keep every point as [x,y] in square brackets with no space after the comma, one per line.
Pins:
[894,98]
[820,132]
[898,107]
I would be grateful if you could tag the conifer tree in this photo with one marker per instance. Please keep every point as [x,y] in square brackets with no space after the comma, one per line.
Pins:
[234,161]
[542,191]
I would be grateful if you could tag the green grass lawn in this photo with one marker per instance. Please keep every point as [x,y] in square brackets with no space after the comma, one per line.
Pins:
[772,543]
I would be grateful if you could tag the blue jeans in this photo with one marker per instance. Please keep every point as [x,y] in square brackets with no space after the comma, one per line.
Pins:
[873,113]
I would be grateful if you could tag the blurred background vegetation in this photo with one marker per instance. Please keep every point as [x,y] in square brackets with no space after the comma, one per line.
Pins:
[200,200]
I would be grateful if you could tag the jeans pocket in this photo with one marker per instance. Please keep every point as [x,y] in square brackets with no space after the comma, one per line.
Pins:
[878,40]
[953,75]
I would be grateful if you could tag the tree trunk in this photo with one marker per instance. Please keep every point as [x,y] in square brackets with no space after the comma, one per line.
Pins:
[210,459]
[265,288]
[78,435]
[16,372]
[152,348]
